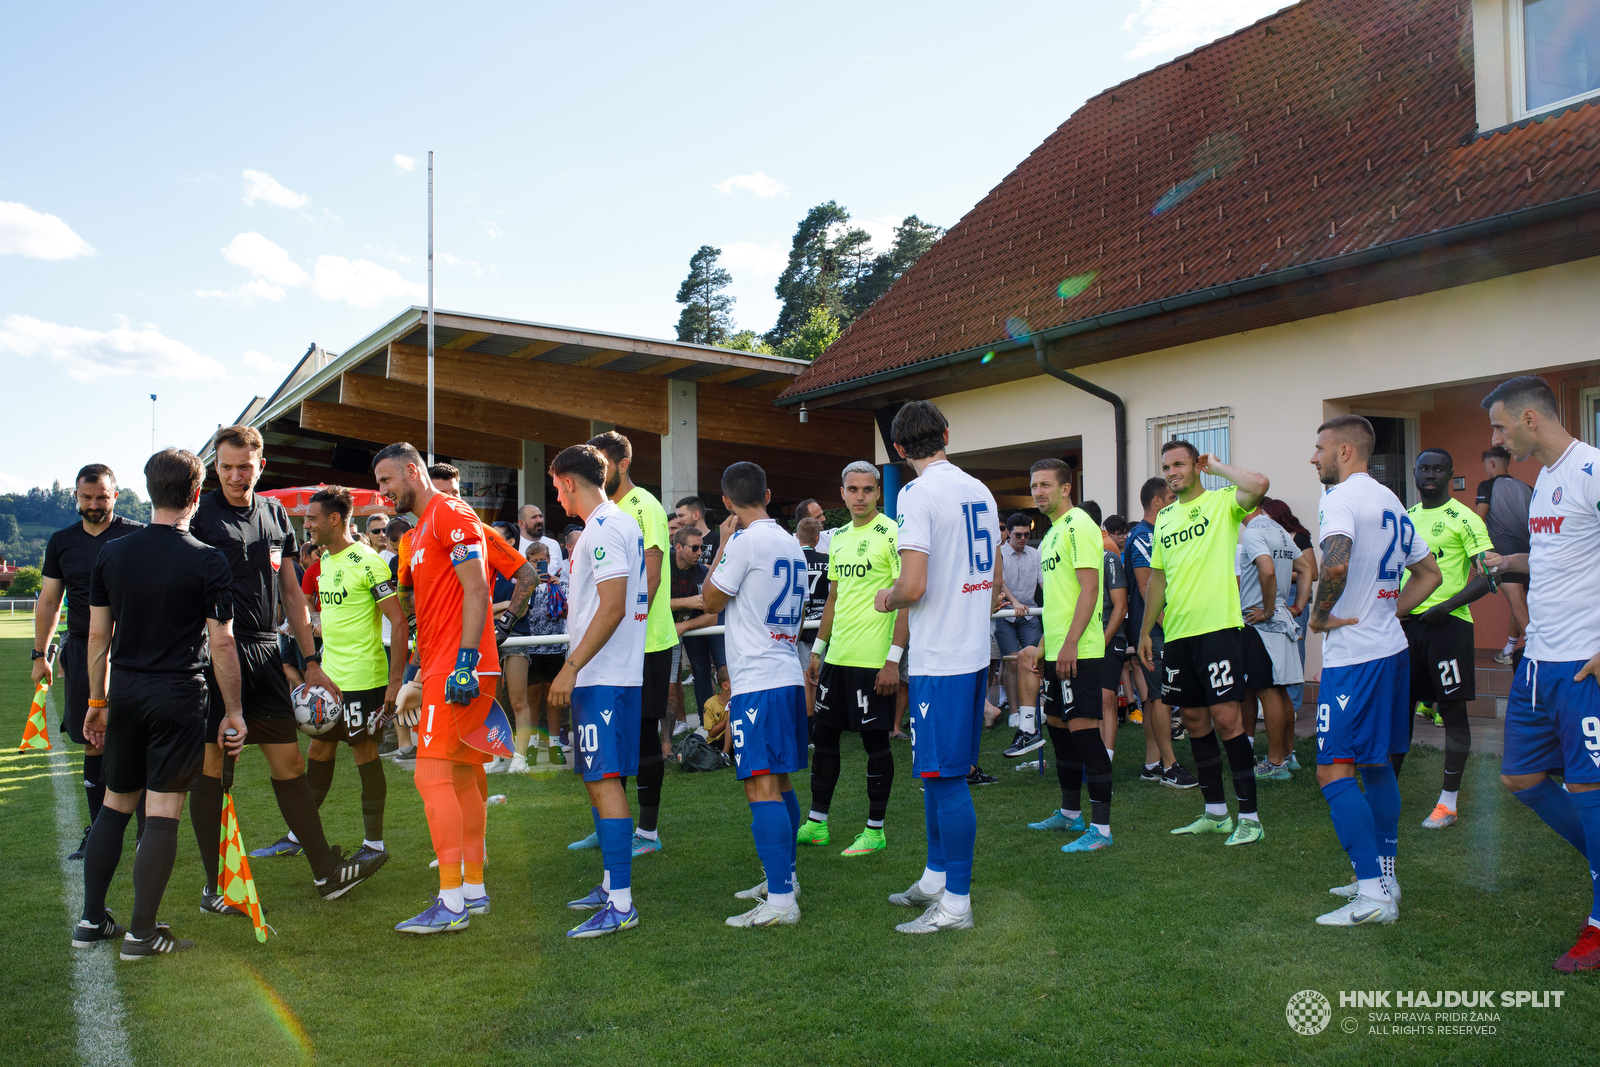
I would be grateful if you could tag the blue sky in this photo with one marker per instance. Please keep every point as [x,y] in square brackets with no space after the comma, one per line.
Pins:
[192,194]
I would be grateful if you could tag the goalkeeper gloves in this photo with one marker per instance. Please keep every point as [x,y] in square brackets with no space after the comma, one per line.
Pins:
[462,685]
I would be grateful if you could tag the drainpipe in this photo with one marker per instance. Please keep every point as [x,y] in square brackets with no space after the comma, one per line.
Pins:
[1119,410]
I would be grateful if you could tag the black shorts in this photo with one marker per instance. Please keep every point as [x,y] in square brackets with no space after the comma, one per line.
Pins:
[1074,698]
[1442,659]
[1512,578]
[360,707]
[73,664]
[543,667]
[848,699]
[263,693]
[1152,678]
[1111,669]
[1257,663]
[155,732]
[1204,669]
[657,682]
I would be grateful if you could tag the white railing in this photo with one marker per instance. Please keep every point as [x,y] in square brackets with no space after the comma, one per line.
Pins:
[11,606]
[706,631]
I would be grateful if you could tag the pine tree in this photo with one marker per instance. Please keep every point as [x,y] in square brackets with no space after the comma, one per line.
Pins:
[825,259]
[706,318]
[912,238]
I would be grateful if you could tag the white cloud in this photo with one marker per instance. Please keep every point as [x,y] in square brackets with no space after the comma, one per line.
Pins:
[450,259]
[247,293]
[260,361]
[405,163]
[1169,27]
[757,183]
[264,260]
[91,355]
[490,228]
[264,188]
[762,261]
[361,283]
[26,232]
[10,483]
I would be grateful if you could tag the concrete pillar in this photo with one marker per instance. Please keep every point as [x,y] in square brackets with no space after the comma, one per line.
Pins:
[530,480]
[680,445]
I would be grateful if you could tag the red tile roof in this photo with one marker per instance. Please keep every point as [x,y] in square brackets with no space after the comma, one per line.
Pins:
[1328,128]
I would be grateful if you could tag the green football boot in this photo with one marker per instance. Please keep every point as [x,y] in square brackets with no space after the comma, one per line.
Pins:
[867,842]
[1208,824]
[812,833]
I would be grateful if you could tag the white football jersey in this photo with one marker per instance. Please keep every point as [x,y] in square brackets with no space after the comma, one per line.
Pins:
[1564,549]
[763,569]
[952,517]
[611,548]
[1383,543]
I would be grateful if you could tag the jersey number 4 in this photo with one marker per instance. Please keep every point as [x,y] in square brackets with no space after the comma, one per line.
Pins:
[792,572]
[980,547]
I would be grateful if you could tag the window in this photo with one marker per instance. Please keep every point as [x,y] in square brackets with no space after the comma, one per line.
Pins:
[1206,430]
[1589,406]
[1560,52]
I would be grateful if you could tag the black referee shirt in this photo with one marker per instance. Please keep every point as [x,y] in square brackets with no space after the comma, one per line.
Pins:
[255,540]
[69,557]
[161,586]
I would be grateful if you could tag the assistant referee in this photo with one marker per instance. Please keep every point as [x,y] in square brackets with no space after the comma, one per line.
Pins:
[161,606]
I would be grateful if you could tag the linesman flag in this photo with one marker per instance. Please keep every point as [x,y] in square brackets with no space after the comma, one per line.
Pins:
[238,887]
[36,734]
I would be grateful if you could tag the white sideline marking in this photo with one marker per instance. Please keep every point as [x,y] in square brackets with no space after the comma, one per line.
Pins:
[95,999]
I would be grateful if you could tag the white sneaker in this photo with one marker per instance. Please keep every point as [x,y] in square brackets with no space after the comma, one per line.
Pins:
[915,897]
[1361,911]
[518,765]
[497,765]
[1349,892]
[936,918]
[764,914]
[759,891]
[680,729]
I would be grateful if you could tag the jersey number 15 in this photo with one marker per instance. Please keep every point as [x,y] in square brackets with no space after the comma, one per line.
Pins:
[980,546]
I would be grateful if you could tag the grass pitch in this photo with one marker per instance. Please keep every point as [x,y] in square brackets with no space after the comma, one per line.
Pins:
[1160,950]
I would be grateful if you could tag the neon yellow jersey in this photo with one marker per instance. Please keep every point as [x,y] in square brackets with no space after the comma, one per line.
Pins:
[861,561]
[1456,535]
[1073,542]
[1195,544]
[646,510]
[349,588]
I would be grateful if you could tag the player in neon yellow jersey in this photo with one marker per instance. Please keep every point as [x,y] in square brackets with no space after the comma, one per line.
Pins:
[354,592]
[1439,631]
[1192,552]
[1071,658]
[855,660]
[661,635]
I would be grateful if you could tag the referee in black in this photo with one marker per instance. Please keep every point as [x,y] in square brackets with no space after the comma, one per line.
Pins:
[68,557]
[255,537]
[161,606]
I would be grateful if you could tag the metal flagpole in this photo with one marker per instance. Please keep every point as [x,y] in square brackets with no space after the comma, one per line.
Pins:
[430,308]
[152,424]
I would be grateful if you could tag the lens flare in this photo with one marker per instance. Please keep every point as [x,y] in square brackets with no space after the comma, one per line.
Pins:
[1178,193]
[1071,287]
[284,1015]
[987,356]
[1017,327]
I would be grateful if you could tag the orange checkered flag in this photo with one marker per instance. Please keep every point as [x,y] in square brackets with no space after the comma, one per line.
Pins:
[238,887]
[36,734]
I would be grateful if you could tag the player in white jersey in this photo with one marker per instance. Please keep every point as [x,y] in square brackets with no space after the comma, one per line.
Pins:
[1363,700]
[949,534]
[1268,562]
[1553,713]
[607,611]
[759,578]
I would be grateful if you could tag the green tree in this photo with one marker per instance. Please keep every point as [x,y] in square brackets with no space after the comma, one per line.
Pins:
[812,339]
[8,528]
[826,258]
[912,238]
[749,341]
[27,582]
[705,319]
[130,505]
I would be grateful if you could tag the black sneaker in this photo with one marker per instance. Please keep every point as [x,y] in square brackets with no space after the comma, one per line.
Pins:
[83,844]
[349,873]
[977,777]
[1178,778]
[212,903]
[87,933]
[1178,732]
[160,943]
[390,743]
[372,857]
[406,755]
[1153,773]
[1023,744]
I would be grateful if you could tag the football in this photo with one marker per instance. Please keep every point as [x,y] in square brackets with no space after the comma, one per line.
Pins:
[315,709]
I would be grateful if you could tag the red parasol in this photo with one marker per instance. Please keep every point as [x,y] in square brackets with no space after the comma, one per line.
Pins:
[367,501]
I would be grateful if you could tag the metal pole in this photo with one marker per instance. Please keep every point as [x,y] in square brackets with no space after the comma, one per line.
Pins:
[430,308]
[152,424]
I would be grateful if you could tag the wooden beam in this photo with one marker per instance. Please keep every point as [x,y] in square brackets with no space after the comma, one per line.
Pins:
[303,474]
[723,377]
[666,366]
[747,416]
[600,359]
[578,392]
[465,412]
[466,340]
[534,348]
[381,428]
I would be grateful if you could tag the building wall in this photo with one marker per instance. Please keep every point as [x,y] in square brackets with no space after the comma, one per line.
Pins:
[1281,382]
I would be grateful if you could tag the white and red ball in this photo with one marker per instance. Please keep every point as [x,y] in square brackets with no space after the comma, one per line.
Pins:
[316,711]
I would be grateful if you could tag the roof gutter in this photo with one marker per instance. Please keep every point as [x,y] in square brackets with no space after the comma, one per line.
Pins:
[1119,411]
[1495,224]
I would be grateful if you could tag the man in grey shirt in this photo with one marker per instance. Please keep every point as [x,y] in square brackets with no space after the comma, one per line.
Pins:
[1267,563]
[1502,504]
[1019,576]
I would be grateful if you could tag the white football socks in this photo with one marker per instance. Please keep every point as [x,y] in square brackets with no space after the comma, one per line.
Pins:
[781,901]
[1447,797]
[1216,809]
[471,891]
[621,899]
[956,903]
[817,816]
[452,899]
[1372,888]
[378,844]
[931,881]
[1028,720]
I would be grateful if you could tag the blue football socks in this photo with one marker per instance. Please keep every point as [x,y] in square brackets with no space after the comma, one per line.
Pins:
[1587,805]
[949,801]
[775,843]
[1555,806]
[1383,800]
[1352,821]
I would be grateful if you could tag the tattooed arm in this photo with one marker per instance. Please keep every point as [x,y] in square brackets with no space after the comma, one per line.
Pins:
[1330,585]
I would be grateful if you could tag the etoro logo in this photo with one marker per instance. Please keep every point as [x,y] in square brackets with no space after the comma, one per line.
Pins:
[1308,1012]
